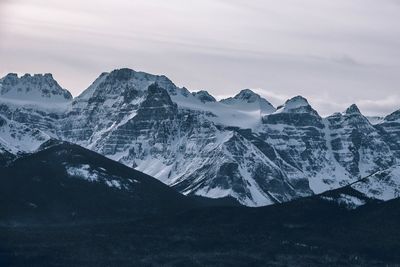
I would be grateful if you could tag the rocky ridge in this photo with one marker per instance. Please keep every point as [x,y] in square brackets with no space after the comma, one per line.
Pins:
[241,146]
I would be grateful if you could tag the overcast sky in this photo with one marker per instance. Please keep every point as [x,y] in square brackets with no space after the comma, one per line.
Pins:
[332,52]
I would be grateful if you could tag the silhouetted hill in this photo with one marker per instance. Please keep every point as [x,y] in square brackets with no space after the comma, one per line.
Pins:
[66,182]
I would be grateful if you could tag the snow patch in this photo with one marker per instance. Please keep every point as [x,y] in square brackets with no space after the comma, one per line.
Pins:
[383,185]
[86,172]
[83,171]
[293,104]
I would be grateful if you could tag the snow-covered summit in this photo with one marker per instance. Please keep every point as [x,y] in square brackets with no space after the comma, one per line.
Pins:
[353,109]
[37,88]
[297,104]
[204,96]
[245,94]
[206,147]
[124,82]
[247,99]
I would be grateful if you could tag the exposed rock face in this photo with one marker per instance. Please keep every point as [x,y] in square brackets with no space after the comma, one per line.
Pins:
[182,148]
[357,145]
[295,112]
[247,99]
[204,96]
[296,132]
[383,185]
[389,128]
[380,186]
[16,138]
[36,88]
[241,146]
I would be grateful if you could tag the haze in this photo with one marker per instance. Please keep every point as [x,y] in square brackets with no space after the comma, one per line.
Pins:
[334,53]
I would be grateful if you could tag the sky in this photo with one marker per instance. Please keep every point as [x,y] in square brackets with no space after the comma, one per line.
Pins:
[334,53]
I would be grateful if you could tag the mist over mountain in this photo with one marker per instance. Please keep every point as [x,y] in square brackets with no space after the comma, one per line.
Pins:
[240,147]
[137,171]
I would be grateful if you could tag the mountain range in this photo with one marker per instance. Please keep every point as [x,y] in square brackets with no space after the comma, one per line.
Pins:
[94,180]
[241,147]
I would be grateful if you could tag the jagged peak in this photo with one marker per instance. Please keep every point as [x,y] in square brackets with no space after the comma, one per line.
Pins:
[119,81]
[29,77]
[353,109]
[11,76]
[246,99]
[157,92]
[123,74]
[204,96]
[297,101]
[249,96]
[33,88]
[297,104]
[246,94]
[157,104]
[128,74]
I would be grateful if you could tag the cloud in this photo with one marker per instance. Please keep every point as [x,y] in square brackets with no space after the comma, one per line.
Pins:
[275,98]
[333,52]
[380,106]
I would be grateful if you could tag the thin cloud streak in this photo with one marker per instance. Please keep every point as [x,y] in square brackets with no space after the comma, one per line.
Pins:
[335,53]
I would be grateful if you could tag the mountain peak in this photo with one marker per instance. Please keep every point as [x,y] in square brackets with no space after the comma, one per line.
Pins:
[297,104]
[204,96]
[126,74]
[10,77]
[33,88]
[124,82]
[246,97]
[122,74]
[247,94]
[297,101]
[353,109]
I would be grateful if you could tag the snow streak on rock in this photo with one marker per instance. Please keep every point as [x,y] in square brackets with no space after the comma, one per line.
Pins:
[241,146]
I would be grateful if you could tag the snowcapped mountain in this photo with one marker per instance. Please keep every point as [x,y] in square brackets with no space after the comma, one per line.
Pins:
[204,96]
[380,186]
[249,101]
[182,147]
[37,88]
[30,108]
[390,130]
[357,144]
[383,185]
[17,138]
[296,133]
[241,146]
[296,105]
